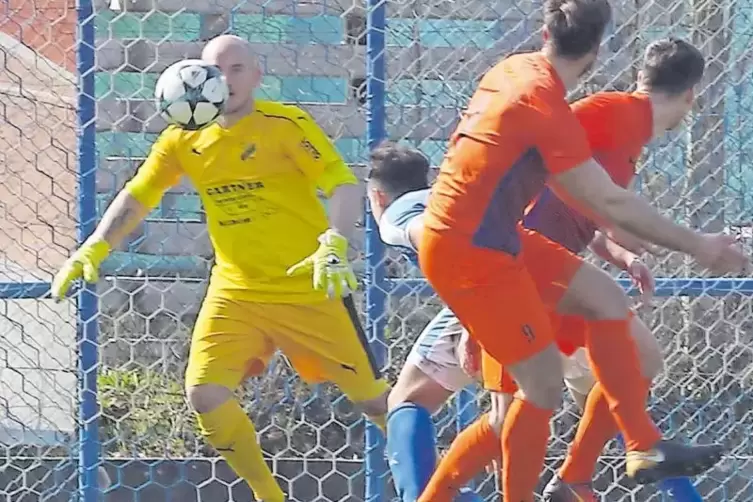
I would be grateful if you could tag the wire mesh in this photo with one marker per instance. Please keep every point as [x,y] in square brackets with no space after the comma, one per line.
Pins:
[314,54]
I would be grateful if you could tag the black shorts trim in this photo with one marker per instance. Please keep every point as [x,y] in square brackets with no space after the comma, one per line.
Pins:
[350,306]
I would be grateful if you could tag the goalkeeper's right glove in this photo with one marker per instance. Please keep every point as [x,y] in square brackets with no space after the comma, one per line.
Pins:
[329,266]
[84,263]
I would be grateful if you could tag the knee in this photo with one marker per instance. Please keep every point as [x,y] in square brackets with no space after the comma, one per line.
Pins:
[595,295]
[207,397]
[415,386]
[541,378]
[546,393]
[610,303]
[649,351]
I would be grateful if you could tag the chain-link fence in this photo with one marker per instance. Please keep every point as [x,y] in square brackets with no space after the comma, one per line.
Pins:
[98,383]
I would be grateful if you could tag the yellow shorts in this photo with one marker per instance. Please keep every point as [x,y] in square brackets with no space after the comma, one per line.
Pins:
[324,342]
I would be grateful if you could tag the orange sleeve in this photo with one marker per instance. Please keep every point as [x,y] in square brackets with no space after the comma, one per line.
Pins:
[561,140]
[615,120]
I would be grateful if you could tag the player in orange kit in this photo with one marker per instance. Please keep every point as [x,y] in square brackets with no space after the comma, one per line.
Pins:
[517,133]
[665,95]
[618,126]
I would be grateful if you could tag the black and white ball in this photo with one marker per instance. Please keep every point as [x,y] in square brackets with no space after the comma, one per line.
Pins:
[191,94]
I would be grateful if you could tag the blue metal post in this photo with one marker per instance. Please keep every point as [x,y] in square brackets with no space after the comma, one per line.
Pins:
[465,407]
[89,454]
[376,283]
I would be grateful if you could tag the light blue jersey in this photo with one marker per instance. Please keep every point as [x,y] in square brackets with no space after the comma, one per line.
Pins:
[411,437]
[396,221]
[435,349]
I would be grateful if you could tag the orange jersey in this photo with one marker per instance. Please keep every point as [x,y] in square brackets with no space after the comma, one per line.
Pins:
[618,125]
[517,130]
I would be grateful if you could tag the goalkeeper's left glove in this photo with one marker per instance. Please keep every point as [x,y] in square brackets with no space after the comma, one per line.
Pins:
[330,266]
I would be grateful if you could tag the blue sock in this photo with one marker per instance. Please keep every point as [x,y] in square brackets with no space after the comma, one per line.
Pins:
[411,449]
[681,489]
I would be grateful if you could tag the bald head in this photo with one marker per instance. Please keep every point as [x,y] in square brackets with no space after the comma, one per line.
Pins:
[234,56]
[226,45]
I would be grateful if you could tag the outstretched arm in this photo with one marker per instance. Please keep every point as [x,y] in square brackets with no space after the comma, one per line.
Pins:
[129,208]
[594,192]
[592,187]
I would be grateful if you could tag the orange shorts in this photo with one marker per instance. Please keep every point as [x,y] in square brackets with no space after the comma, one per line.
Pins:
[569,335]
[551,265]
[503,301]
[492,294]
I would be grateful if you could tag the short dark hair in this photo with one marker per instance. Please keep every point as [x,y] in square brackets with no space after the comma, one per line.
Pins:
[398,169]
[576,27]
[672,66]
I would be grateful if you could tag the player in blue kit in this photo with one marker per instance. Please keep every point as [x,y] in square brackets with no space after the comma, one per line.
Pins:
[398,191]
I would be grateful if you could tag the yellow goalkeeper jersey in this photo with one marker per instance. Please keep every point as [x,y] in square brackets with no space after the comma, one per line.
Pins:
[258,182]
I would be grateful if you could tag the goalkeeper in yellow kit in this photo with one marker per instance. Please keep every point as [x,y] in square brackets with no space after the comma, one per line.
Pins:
[281,279]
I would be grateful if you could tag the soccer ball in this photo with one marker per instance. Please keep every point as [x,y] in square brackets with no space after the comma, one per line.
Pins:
[191,94]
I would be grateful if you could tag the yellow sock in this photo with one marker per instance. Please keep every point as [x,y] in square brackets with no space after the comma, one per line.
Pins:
[229,430]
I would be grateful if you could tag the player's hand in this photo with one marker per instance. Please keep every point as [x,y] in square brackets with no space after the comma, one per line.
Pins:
[469,355]
[721,254]
[329,266]
[83,264]
[643,279]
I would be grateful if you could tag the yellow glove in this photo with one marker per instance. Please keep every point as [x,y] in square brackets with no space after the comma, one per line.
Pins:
[84,263]
[330,266]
